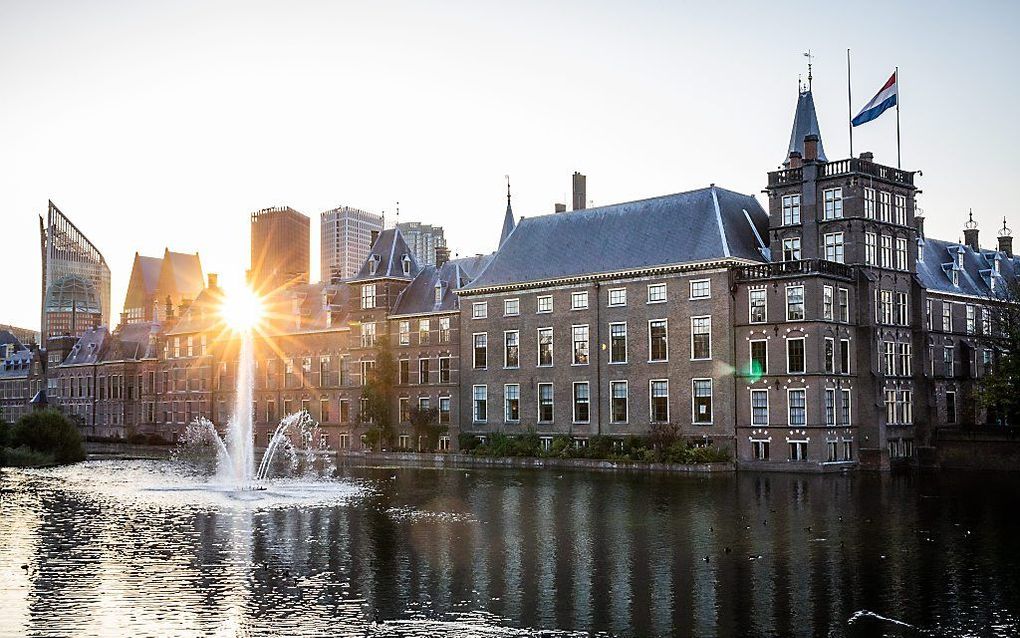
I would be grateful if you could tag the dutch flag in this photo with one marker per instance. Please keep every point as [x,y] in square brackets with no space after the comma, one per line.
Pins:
[885,99]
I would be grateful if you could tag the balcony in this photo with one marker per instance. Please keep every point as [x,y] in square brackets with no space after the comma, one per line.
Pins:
[844,167]
[797,268]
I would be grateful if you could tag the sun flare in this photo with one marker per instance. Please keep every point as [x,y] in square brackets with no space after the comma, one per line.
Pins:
[242,309]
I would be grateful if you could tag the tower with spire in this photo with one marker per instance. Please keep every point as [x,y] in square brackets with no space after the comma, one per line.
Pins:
[508,218]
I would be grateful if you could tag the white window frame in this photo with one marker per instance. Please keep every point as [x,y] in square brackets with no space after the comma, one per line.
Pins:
[768,414]
[803,302]
[552,349]
[651,398]
[789,408]
[657,288]
[538,304]
[579,300]
[552,403]
[788,341]
[832,203]
[506,402]
[626,399]
[649,333]
[693,319]
[626,343]
[698,282]
[506,307]
[506,348]
[711,402]
[474,403]
[574,342]
[480,310]
[574,402]
[750,305]
[617,304]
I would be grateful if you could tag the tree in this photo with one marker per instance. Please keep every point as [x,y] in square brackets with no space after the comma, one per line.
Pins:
[425,422]
[998,390]
[50,432]
[379,393]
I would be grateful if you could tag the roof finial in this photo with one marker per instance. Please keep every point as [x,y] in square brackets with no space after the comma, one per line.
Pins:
[1005,231]
[970,220]
[809,59]
[398,212]
[507,189]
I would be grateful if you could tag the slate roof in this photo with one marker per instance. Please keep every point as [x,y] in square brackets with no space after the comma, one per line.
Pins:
[420,295]
[805,121]
[7,338]
[474,265]
[975,277]
[180,276]
[131,342]
[89,347]
[388,252]
[508,223]
[150,268]
[18,364]
[700,225]
[201,315]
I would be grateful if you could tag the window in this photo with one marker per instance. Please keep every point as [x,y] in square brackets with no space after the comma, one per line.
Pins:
[511,307]
[970,324]
[831,447]
[869,203]
[905,359]
[345,411]
[929,320]
[403,409]
[578,300]
[830,408]
[948,363]
[950,407]
[512,403]
[844,305]
[657,346]
[791,249]
[830,355]
[759,407]
[901,309]
[757,303]
[511,349]
[368,296]
[444,330]
[424,325]
[905,407]
[545,303]
[580,340]
[827,309]
[947,317]
[545,346]
[901,253]
[834,247]
[791,210]
[701,337]
[886,251]
[618,401]
[845,407]
[618,343]
[581,402]
[404,333]
[438,293]
[367,335]
[444,369]
[986,321]
[480,397]
[701,289]
[798,407]
[760,449]
[889,358]
[885,307]
[870,249]
[481,344]
[545,402]
[759,358]
[701,399]
[844,356]
[900,210]
[479,310]
[884,206]
[617,296]
[794,303]
[656,293]
[833,203]
[795,355]
[403,371]
[444,411]
[658,400]
[423,370]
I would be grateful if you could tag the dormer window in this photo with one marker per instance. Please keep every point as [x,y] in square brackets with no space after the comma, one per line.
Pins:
[405,263]
[439,293]
[373,264]
[959,257]
[998,266]
[954,274]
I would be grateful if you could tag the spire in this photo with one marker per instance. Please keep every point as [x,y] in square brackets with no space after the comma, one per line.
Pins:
[508,218]
[805,122]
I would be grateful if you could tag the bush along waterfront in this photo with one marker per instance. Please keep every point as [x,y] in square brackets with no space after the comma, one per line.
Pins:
[663,445]
[46,437]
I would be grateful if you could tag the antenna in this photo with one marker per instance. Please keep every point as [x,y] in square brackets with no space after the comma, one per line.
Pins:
[810,58]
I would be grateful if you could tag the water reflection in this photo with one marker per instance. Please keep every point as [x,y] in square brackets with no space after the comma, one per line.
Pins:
[455,552]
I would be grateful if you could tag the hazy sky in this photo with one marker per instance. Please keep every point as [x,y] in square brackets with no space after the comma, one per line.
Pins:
[166,125]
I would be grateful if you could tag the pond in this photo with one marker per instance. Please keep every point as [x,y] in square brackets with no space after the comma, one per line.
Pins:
[126,547]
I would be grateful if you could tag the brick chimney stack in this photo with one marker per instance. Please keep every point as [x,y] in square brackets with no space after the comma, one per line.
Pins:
[795,159]
[442,256]
[213,281]
[811,148]
[970,233]
[559,208]
[580,191]
[1006,239]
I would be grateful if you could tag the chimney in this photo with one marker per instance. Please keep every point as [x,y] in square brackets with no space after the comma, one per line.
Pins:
[580,191]
[560,208]
[970,233]
[868,156]
[213,281]
[375,236]
[442,256]
[795,161]
[918,223]
[811,148]
[1006,240]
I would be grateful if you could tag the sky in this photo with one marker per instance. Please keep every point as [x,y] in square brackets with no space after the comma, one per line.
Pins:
[155,125]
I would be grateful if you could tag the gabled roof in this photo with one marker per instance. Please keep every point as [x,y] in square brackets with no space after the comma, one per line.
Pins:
[131,342]
[144,280]
[701,225]
[180,276]
[805,122]
[89,347]
[420,296]
[385,259]
[939,258]
[7,338]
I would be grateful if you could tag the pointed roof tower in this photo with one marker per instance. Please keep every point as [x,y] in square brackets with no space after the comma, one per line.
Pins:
[805,122]
[508,218]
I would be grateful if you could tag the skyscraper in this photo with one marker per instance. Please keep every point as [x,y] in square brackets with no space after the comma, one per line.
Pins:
[280,246]
[346,240]
[423,239]
[75,279]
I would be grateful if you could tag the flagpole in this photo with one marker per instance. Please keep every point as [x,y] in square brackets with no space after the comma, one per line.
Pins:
[849,105]
[898,164]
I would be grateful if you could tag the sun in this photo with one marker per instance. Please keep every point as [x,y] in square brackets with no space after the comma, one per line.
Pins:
[242,309]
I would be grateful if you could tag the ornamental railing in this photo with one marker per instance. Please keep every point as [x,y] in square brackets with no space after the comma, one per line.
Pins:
[796,268]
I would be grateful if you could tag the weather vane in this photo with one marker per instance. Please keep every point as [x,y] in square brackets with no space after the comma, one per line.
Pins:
[810,58]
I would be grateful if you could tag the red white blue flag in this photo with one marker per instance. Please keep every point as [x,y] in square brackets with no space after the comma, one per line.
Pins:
[885,99]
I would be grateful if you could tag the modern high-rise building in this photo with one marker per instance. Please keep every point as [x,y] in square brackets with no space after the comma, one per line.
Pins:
[423,239]
[280,246]
[75,279]
[345,241]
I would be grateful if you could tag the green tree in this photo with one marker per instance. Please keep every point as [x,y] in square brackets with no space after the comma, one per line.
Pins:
[425,423]
[998,390]
[379,394]
[50,432]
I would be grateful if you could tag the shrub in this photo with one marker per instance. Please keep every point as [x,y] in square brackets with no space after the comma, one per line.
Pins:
[467,442]
[560,446]
[50,432]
